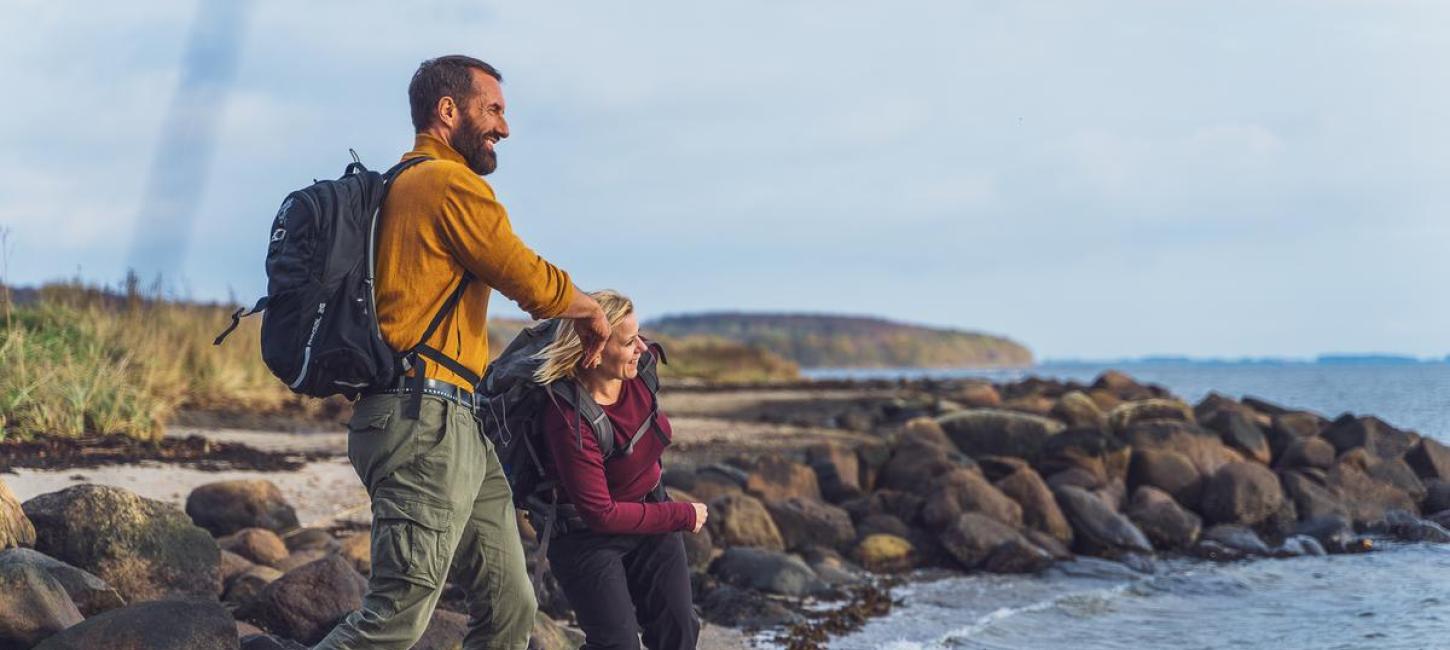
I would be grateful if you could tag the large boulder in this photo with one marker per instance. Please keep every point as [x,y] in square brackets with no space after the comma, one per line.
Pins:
[1239,431]
[1121,386]
[965,490]
[717,480]
[1437,496]
[90,594]
[1243,493]
[308,601]
[1039,509]
[885,553]
[33,606]
[1127,414]
[1092,449]
[804,522]
[838,471]
[774,477]
[902,505]
[1168,471]
[1430,459]
[1287,427]
[1079,411]
[1166,523]
[1373,434]
[978,541]
[764,570]
[15,528]
[1309,451]
[1312,494]
[143,548]
[156,625]
[741,520]
[245,588]
[226,507]
[994,432]
[1097,529]
[258,545]
[358,549]
[1238,538]
[1201,447]
[1365,498]
[732,606]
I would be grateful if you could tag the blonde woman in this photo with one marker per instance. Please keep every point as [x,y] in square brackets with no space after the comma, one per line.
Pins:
[617,550]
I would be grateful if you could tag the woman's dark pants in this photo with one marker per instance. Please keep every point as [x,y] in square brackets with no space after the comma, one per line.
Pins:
[626,586]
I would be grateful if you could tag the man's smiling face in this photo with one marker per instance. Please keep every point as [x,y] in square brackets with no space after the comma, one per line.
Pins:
[482,126]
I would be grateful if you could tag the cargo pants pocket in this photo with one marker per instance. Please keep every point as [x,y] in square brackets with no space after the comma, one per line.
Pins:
[410,541]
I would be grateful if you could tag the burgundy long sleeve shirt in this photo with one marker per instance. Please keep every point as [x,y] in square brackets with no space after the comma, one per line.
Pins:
[610,496]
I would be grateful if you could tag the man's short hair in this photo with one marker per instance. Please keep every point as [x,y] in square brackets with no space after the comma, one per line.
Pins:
[445,76]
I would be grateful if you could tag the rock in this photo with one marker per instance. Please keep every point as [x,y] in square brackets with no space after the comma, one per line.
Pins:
[245,629]
[741,520]
[1216,552]
[259,545]
[155,625]
[965,490]
[1039,405]
[717,480]
[1017,555]
[803,522]
[1201,447]
[832,569]
[1125,415]
[1238,538]
[308,539]
[1312,495]
[1311,451]
[1039,508]
[1441,517]
[699,549]
[1335,533]
[1092,449]
[902,505]
[1076,477]
[1405,526]
[445,631]
[881,523]
[994,432]
[1299,546]
[765,570]
[1378,438]
[1214,402]
[1239,432]
[549,634]
[1079,411]
[233,565]
[1241,493]
[838,471]
[978,395]
[1097,529]
[1288,427]
[301,558]
[15,528]
[1430,459]
[1365,498]
[1121,386]
[90,594]
[358,550]
[226,507]
[772,478]
[143,548]
[1437,495]
[33,606]
[884,553]
[996,468]
[972,537]
[1166,524]
[1396,472]
[1051,545]
[243,590]
[732,606]
[308,601]
[914,465]
[1168,471]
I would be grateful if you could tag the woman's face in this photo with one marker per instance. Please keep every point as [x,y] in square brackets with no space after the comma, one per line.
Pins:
[621,352]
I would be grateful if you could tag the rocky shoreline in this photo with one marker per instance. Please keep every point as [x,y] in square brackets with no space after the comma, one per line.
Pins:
[818,493]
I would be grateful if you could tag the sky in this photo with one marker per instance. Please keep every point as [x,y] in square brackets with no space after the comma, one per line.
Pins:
[1092,179]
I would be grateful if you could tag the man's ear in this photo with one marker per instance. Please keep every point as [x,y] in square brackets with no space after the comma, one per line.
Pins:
[447,112]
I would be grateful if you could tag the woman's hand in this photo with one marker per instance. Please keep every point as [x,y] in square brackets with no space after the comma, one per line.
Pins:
[701,513]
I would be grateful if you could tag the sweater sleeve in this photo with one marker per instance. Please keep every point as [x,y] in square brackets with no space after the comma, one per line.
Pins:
[476,230]
[580,467]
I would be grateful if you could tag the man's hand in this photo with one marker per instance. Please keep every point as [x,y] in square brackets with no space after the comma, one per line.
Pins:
[701,514]
[593,332]
[590,324]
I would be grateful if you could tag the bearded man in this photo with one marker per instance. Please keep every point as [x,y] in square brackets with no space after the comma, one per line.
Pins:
[441,503]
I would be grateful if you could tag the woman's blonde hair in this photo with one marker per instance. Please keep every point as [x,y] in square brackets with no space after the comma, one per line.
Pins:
[561,358]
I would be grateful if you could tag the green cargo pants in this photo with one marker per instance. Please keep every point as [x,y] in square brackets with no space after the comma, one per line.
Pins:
[440,501]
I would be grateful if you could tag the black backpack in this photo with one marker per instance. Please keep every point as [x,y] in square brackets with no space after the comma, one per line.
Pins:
[512,410]
[320,331]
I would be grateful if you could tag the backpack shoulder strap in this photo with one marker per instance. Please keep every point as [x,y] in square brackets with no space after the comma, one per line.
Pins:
[586,410]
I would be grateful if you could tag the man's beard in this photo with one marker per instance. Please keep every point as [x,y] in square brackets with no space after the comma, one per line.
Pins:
[472,143]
